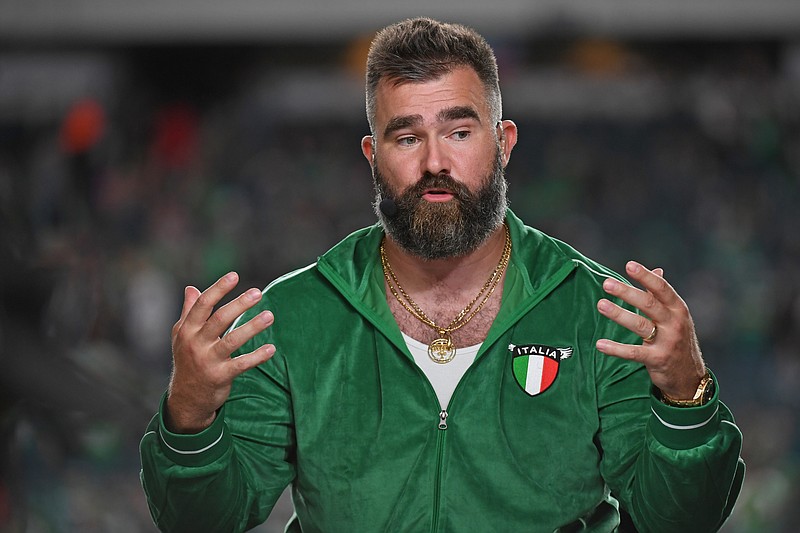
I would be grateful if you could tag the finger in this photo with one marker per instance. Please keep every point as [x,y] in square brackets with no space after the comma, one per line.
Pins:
[652,282]
[204,304]
[221,320]
[631,352]
[659,272]
[636,323]
[243,363]
[239,336]
[645,301]
[190,296]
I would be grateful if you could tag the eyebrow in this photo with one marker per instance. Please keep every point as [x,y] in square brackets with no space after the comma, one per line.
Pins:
[401,122]
[458,113]
[445,115]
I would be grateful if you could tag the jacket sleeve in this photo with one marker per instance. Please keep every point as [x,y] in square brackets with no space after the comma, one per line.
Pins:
[691,460]
[672,469]
[228,477]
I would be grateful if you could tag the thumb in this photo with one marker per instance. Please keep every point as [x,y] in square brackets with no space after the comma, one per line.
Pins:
[190,296]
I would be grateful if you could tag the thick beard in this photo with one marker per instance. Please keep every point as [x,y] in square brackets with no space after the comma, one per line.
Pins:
[438,230]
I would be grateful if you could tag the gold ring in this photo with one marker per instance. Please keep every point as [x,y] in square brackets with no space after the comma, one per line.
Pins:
[652,336]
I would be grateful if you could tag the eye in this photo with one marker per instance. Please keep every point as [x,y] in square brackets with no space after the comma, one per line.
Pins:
[407,141]
[461,135]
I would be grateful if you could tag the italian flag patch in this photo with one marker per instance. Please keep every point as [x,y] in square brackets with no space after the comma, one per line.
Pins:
[535,366]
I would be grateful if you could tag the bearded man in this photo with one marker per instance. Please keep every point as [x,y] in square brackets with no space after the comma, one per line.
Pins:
[449,368]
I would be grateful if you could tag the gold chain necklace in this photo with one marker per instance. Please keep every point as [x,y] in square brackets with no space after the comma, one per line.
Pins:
[442,350]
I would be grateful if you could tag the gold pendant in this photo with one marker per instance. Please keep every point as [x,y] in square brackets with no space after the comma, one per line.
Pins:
[442,350]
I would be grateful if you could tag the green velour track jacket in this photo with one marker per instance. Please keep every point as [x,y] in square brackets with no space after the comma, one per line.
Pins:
[542,434]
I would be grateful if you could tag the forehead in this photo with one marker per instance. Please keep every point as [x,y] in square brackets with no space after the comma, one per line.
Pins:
[459,88]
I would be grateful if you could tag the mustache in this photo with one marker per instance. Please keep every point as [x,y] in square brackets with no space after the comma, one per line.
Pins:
[437,181]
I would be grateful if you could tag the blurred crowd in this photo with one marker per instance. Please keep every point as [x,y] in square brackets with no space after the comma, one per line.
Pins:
[163,169]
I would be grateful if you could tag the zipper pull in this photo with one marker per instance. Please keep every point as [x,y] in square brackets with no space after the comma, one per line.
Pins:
[442,419]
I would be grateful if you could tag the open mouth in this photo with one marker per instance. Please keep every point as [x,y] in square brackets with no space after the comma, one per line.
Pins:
[437,194]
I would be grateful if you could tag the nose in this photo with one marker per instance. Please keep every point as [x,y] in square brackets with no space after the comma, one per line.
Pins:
[436,159]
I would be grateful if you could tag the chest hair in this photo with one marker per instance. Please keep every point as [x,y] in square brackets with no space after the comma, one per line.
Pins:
[442,311]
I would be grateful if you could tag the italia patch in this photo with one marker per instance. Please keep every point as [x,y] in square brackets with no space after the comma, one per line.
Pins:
[535,366]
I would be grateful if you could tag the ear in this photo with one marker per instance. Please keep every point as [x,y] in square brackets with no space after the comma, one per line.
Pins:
[507,135]
[368,148]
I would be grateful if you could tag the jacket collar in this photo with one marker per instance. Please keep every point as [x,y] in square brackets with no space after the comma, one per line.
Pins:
[538,265]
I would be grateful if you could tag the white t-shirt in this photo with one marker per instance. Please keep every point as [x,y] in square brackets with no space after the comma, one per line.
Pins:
[443,377]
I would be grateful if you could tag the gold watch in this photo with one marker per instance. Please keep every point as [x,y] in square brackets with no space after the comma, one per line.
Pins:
[701,396]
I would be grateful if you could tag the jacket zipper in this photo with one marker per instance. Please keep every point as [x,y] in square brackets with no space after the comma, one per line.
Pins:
[437,493]
[442,419]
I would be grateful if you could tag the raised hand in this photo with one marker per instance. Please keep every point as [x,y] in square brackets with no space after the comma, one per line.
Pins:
[202,367]
[670,350]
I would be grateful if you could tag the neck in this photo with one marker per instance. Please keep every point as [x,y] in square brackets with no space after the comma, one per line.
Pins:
[462,273]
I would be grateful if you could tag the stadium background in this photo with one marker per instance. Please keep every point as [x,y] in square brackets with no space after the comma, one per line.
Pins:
[149,145]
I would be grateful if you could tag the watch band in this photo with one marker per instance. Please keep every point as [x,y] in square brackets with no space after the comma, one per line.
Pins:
[704,393]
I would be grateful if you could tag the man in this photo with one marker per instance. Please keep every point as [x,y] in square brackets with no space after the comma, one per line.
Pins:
[448,369]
